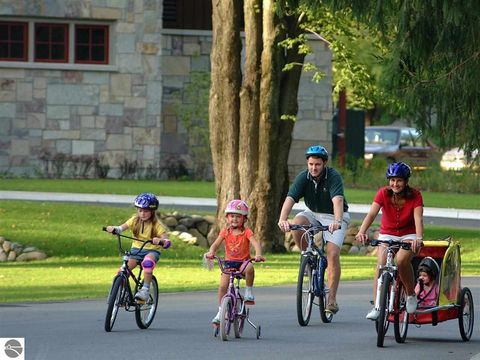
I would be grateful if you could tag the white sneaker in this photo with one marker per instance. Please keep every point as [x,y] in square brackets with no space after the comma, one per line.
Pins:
[411,304]
[249,296]
[373,314]
[216,319]
[142,294]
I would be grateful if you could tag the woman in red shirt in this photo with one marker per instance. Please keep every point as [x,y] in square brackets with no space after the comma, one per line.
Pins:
[402,220]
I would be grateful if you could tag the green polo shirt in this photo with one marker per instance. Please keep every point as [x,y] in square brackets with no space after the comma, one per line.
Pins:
[318,196]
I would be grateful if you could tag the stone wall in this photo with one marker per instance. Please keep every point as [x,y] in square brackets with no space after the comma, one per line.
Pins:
[108,111]
[124,112]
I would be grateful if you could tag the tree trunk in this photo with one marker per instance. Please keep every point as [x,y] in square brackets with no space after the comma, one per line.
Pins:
[250,141]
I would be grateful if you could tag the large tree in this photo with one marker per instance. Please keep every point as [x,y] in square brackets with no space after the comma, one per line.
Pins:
[251,111]
[433,63]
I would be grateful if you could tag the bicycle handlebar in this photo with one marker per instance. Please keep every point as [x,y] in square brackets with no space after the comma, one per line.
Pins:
[393,243]
[240,271]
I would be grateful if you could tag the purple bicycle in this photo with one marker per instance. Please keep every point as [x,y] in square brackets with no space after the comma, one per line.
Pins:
[233,309]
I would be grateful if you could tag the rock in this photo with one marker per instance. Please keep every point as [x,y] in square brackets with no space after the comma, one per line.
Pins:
[354,250]
[170,221]
[7,246]
[203,227]
[29,249]
[210,219]
[2,239]
[3,256]
[12,255]
[349,239]
[201,240]
[181,228]
[187,221]
[33,255]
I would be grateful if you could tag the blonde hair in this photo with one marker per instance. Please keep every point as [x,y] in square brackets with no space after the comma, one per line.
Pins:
[137,224]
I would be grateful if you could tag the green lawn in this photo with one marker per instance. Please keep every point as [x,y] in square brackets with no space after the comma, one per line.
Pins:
[83,259]
[205,189]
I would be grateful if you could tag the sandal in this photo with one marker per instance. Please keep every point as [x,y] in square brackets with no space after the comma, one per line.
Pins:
[332,307]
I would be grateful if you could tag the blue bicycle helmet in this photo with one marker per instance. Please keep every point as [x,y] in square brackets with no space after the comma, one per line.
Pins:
[146,201]
[317,150]
[398,169]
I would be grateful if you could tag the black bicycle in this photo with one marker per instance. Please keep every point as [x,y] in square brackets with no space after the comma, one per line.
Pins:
[125,285]
[311,276]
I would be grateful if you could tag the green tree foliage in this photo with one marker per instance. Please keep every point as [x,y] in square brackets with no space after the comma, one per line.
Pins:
[432,65]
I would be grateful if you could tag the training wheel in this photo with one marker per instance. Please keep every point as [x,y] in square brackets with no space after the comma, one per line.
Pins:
[259,330]
[216,329]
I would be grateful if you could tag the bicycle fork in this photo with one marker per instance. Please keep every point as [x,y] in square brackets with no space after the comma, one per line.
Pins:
[318,275]
[392,291]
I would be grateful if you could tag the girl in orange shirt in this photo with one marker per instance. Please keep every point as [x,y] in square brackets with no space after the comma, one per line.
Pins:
[237,238]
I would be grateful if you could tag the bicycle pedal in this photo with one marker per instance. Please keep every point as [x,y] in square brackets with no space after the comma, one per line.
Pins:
[250,302]
[140,302]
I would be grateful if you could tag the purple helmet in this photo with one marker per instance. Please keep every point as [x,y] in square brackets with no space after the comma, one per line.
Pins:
[237,207]
[317,150]
[146,201]
[399,169]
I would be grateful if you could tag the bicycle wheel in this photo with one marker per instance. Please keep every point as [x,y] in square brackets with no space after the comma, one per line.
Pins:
[400,324]
[115,300]
[382,321]
[144,313]
[225,317]
[326,316]
[466,314]
[305,293]
[239,321]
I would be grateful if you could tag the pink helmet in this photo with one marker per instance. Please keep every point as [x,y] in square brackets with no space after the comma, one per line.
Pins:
[237,207]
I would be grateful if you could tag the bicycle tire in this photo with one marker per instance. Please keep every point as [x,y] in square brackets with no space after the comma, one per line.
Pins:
[145,313]
[225,318]
[114,302]
[305,292]
[401,317]
[382,321]
[326,316]
[466,314]
[239,321]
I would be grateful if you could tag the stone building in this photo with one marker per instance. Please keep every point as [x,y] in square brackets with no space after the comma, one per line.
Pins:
[89,87]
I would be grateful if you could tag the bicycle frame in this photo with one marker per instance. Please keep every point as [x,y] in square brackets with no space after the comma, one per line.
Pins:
[391,296]
[122,296]
[234,309]
[311,277]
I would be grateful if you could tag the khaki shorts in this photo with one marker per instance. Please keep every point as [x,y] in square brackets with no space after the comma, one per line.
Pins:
[326,219]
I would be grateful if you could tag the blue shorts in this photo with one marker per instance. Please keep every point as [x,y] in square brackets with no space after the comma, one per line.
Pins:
[232,264]
[141,254]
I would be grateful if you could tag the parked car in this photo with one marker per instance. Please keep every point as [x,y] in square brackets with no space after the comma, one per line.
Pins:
[396,143]
[456,159]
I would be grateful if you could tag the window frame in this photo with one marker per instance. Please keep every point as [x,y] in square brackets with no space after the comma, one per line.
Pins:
[106,44]
[50,43]
[24,24]
[29,61]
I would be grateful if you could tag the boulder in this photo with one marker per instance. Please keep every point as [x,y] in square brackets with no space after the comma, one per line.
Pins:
[33,255]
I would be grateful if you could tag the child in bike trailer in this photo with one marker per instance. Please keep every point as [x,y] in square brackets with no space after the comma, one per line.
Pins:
[237,238]
[427,286]
[145,225]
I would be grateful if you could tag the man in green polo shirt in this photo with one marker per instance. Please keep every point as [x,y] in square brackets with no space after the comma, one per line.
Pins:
[321,187]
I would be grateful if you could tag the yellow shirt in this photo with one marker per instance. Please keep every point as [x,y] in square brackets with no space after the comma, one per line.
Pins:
[146,234]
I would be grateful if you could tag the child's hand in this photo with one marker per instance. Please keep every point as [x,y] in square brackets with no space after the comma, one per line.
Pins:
[110,229]
[259,258]
[209,255]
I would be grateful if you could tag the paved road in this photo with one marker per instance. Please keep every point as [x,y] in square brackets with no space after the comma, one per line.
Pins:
[432,216]
[182,330]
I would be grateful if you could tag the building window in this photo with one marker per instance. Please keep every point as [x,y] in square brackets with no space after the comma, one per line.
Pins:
[91,44]
[51,42]
[187,14]
[13,41]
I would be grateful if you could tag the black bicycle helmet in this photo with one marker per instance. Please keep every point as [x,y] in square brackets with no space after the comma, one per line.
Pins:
[429,266]
[146,201]
[317,150]
[398,169]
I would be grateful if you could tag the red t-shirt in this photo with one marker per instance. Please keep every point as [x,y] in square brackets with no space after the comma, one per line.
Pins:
[397,222]
[237,247]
